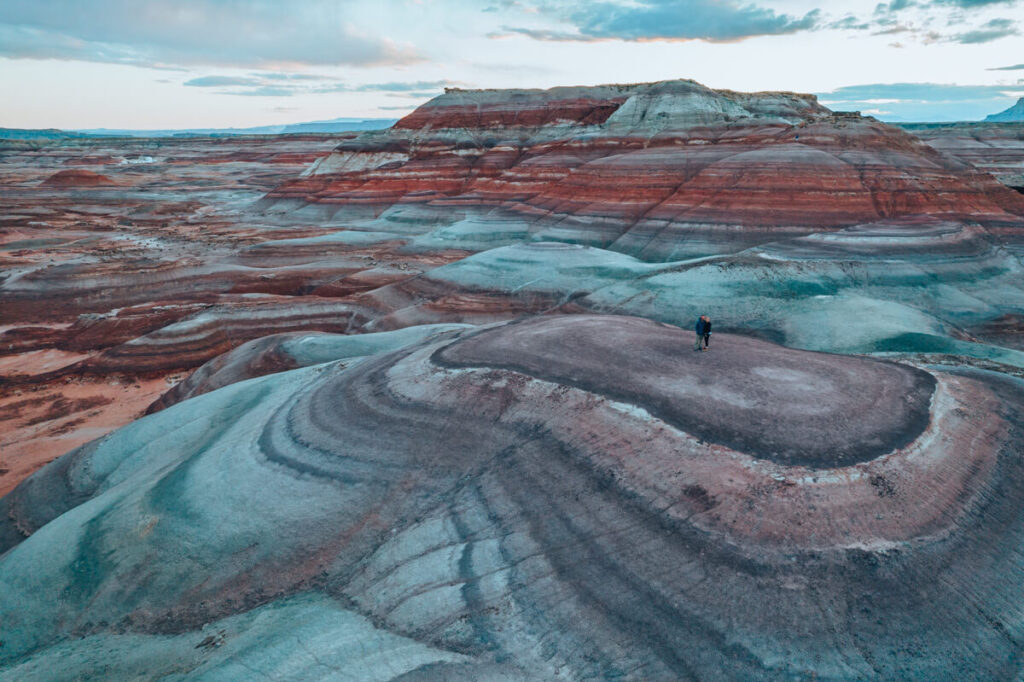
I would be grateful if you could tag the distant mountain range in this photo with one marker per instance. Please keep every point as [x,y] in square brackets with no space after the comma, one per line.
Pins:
[336,125]
[37,134]
[1014,113]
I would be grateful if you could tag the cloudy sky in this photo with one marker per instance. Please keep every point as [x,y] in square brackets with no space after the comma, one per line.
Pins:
[220,63]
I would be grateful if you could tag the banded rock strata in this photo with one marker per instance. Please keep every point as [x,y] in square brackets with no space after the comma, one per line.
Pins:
[85,268]
[660,171]
[997,148]
[816,229]
[572,496]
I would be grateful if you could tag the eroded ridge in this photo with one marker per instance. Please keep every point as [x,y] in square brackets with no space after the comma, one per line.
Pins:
[810,409]
[493,502]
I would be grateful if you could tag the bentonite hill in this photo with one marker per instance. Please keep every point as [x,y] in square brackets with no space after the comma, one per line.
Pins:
[421,403]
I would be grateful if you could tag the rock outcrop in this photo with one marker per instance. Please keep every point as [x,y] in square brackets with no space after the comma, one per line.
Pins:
[575,496]
[280,352]
[997,148]
[660,171]
[77,178]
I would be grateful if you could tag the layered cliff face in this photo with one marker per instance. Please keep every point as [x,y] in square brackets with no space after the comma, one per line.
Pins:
[997,148]
[659,171]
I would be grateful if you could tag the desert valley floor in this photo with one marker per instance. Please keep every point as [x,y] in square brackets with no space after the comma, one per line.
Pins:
[422,403]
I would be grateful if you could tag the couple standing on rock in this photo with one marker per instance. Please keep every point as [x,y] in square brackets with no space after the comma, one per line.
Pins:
[703,333]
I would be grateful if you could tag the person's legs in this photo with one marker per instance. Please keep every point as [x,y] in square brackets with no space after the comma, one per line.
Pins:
[707,340]
[696,345]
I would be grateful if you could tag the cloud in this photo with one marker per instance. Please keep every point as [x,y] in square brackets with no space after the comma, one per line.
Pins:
[193,32]
[1015,67]
[710,20]
[932,21]
[265,91]
[293,76]
[734,20]
[921,101]
[426,94]
[989,31]
[32,43]
[407,87]
[893,30]
[288,85]
[894,6]
[503,5]
[220,81]
[972,4]
[850,22]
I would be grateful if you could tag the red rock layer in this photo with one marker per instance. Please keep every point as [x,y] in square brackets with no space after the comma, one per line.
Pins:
[199,338]
[564,497]
[641,183]
[513,112]
[997,148]
[85,273]
[252,359]
[77,178]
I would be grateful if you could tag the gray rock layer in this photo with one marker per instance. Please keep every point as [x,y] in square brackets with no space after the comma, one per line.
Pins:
[537,501]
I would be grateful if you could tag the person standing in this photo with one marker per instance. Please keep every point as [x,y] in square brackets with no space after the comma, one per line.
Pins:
[707,332]
[700,328]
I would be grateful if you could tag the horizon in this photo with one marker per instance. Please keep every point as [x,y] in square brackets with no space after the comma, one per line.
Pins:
[394,119]
[164,65]
[340,119]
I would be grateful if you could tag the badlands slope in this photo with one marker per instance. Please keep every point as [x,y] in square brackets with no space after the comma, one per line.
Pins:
[421,402]
[658,171]
[568,496]
[997,148]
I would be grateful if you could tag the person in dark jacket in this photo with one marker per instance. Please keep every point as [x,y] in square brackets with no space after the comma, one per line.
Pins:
[707,332]
[703,329]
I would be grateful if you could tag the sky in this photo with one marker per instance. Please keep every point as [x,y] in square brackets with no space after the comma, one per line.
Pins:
[77,64]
